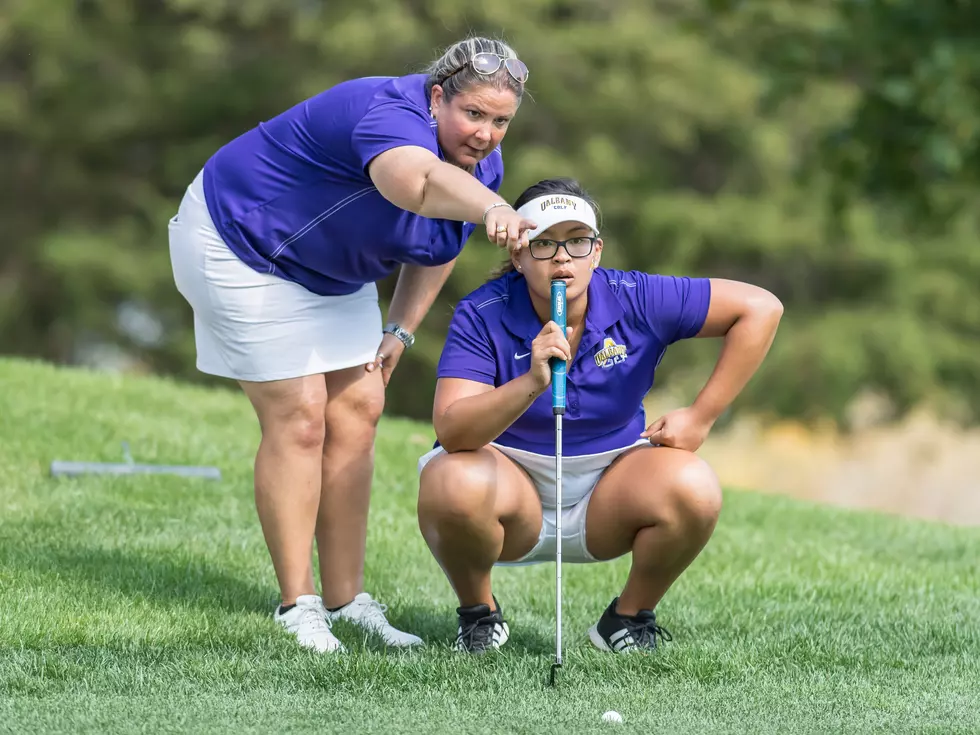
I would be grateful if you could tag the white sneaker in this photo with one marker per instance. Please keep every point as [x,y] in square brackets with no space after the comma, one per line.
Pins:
[309,622]
[370,614]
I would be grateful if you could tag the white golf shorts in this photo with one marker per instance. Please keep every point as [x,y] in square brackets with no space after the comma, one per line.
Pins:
[257,326]
[579,477]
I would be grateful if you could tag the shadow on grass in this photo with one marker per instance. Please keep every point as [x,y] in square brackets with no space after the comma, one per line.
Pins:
[437,627]
[168,578]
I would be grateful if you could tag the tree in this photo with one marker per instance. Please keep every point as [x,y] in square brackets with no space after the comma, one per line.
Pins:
[766,141]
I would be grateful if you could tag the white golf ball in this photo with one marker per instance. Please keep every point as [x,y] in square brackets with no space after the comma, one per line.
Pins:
[612,716]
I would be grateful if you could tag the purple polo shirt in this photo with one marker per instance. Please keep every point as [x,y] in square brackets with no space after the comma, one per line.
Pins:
[292,196]
[630,320]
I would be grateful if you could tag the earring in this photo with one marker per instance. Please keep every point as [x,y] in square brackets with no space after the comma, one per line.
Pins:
[518,269]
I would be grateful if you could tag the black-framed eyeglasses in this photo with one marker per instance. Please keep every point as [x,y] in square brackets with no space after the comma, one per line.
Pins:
[487,63]
[576,247]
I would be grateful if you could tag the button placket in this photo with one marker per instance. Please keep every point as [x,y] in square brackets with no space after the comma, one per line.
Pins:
[573,399]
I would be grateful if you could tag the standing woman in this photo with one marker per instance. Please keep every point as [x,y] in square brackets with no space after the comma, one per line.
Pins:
[277,246]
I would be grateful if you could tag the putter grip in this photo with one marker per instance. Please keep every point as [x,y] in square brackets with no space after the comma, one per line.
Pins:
[558,367]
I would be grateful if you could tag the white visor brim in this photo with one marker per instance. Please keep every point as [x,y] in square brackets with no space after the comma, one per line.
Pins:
[548,211]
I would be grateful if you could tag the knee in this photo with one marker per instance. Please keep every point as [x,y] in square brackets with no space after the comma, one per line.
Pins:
[353,420]
[696,494]
[368,407]
[300,424]
[456,489]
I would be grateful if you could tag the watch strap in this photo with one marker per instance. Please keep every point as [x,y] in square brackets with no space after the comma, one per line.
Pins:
[406,337]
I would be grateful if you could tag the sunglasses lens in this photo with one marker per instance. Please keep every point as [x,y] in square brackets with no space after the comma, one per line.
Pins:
[517,69]
[486,63]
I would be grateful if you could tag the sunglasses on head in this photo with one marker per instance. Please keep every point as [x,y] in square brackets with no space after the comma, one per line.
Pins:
[487,63]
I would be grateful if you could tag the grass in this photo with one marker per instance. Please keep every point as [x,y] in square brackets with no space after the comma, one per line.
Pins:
[143,604]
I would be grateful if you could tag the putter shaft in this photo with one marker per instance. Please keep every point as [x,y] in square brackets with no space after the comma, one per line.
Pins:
[558,504]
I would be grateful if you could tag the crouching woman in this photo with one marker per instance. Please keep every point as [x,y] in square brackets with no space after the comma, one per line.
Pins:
[487,491]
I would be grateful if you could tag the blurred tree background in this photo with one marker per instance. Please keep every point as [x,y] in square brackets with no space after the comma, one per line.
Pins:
[827,150]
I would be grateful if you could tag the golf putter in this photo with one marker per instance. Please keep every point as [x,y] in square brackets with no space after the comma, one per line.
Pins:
[558,375]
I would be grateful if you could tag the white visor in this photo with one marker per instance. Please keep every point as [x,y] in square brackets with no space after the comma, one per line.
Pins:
[549,210]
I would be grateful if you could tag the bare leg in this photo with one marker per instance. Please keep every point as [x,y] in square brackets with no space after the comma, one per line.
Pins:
[475,509]
[287,474]
[660,503]
[352,413]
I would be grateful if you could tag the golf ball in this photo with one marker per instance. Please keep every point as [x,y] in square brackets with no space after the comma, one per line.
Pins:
[612,716]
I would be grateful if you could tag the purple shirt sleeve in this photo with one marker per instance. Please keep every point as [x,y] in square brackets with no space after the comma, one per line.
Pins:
[676,306]
[468,352]
[391,125]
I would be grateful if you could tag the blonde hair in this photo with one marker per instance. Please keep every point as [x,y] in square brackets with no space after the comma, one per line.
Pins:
[456,59]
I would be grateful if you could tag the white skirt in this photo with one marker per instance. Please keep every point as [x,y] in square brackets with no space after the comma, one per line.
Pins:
[260,327]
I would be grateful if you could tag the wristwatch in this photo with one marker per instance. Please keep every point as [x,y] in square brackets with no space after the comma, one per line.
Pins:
[406,337]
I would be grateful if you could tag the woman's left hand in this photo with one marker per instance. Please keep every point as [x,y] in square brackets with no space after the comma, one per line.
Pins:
[684,428]
[506,228]
[389,352]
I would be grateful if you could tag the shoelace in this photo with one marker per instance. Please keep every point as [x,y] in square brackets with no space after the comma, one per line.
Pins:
[645,632]
[479,632]
[315,617]
[373,613]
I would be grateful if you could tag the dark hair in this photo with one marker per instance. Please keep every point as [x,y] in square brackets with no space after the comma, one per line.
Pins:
[549,187]
[457,57]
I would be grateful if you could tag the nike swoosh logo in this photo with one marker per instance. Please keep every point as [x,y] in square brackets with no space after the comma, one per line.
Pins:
[521,357]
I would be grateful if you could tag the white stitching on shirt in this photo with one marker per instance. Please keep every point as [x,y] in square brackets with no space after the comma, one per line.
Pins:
[320,217]
[491,301]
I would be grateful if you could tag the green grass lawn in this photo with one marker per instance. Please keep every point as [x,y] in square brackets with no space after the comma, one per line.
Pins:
[144,604]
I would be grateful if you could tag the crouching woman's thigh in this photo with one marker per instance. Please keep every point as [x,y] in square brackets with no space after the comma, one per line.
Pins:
[479,491]
[652,486]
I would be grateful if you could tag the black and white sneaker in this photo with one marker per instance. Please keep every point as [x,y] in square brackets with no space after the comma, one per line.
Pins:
[481,629]
[627,633]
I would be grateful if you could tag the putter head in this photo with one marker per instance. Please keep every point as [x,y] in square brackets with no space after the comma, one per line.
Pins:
[554,671]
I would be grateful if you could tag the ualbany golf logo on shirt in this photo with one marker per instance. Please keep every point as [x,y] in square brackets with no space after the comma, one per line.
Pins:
[610,354]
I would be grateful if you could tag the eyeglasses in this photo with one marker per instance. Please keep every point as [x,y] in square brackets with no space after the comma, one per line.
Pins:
[576,247]
[487,63]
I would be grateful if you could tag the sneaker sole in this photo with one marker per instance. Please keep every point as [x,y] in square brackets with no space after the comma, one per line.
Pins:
[505,637]
[311,647]
[597,640]
[409,641]
[403,644]
[390,642]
